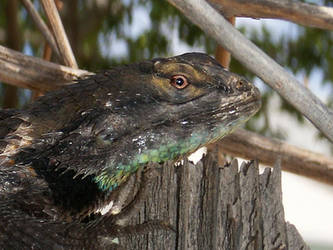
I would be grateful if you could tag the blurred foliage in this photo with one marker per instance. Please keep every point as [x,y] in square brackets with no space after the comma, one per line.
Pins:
[105,33]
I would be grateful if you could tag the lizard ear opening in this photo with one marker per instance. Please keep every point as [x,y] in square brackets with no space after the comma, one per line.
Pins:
[179,81]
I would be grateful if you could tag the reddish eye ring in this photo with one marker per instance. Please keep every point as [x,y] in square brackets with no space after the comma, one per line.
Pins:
[179,81]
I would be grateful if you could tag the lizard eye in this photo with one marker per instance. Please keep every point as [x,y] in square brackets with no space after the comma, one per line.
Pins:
[179,81]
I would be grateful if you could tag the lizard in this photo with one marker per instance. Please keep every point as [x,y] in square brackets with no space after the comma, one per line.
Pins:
[65,157]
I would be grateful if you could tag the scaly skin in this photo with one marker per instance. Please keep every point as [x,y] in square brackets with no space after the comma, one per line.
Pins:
[66,156]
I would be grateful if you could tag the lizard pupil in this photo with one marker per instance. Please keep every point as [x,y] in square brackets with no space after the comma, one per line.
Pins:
[179,81]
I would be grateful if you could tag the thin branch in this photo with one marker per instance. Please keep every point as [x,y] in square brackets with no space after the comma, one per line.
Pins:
[34,73]
[221,54]
[47,57]
[250,145]
[59,33]
[209,20]
[294,11]
[41,25]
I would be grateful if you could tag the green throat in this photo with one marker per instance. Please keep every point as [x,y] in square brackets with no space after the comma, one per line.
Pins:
[166,151]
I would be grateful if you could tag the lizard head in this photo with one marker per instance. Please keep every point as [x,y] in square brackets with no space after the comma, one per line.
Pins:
[119,120]
[174,106]
[106,127]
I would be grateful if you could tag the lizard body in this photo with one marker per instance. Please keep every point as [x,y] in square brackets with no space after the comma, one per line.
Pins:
[65,156]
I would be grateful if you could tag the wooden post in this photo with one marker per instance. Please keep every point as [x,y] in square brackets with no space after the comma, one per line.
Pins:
[214,207]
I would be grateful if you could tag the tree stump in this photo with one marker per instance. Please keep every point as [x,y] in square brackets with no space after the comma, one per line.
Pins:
[214,207]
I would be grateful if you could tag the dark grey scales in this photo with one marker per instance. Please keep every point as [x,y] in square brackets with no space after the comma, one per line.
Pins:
[67,159]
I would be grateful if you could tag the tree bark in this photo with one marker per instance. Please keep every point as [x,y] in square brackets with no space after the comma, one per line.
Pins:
[214,207]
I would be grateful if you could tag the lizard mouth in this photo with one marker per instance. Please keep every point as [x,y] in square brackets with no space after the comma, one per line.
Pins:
[221,108]
[252,102]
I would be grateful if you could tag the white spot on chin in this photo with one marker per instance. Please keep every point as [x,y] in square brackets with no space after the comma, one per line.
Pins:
[114,209]
[105,209]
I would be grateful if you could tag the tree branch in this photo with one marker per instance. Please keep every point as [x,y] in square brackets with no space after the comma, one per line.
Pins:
[41,25]
[294,11]
[209,20]
[34,73]
[222,55]
[59,33]
[249,145]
